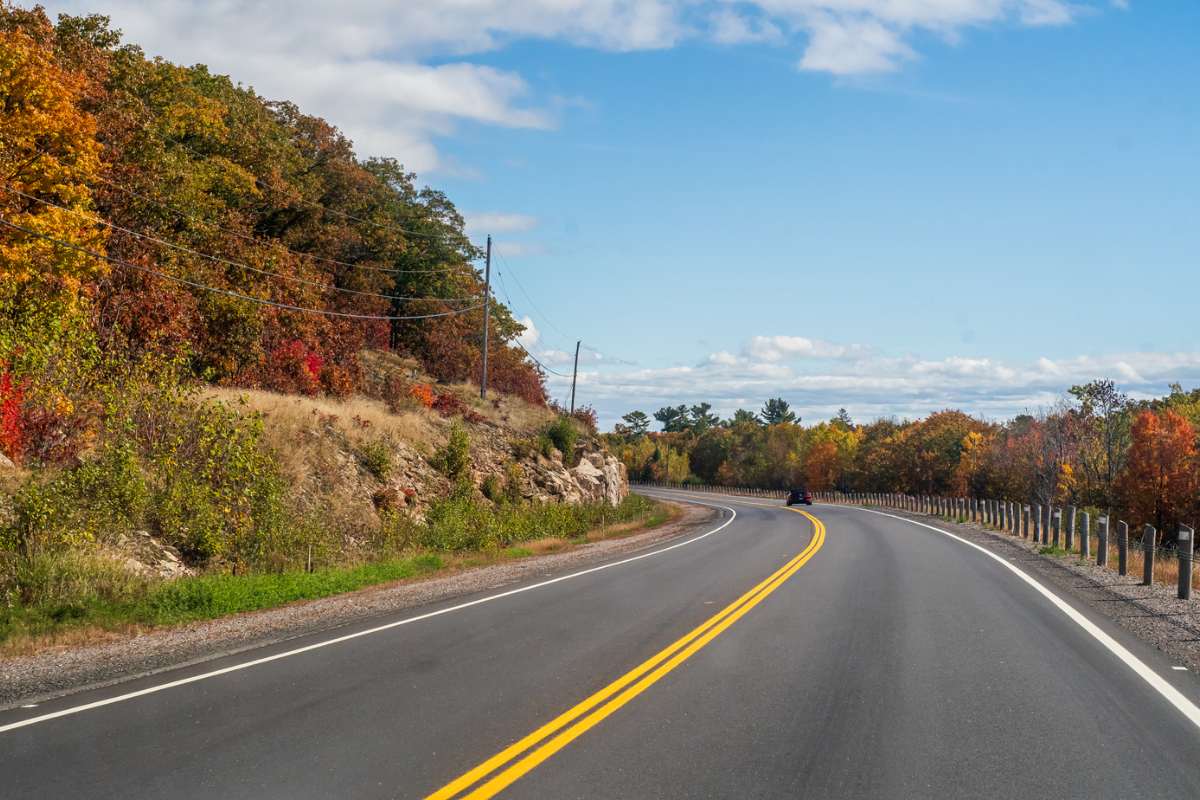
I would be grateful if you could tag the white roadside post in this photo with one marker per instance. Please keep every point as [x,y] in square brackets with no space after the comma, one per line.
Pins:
[1185,543]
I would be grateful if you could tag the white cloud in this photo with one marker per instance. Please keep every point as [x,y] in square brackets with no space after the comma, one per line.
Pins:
[397,76]
[874,386]
[853,46]
[778,348]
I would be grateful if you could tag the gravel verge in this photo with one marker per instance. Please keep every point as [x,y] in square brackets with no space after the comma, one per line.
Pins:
[1151,613]
[58,671]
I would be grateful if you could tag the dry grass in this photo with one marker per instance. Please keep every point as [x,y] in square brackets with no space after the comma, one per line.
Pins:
[1166,567]
[508,411]
[358,417]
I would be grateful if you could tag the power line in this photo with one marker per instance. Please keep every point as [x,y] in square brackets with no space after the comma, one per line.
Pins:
[218,259]
[334,211]
[445,238]
[192,218]
[535,360]
[532,304]
[287,307]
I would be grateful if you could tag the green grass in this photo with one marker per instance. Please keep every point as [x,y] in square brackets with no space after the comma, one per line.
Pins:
[1052,551]
[78,589]
[204,597]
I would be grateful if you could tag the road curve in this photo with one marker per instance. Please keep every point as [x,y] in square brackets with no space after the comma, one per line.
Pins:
[778,657]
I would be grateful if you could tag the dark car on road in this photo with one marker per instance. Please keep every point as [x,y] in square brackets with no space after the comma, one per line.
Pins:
[797,496]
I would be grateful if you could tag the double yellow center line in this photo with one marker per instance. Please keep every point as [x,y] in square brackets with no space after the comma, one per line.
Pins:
[573,723]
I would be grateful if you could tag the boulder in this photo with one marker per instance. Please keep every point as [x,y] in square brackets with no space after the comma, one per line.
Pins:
[146,555]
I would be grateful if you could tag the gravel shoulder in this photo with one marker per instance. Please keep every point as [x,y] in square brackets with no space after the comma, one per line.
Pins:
[58,671]
[1151,613]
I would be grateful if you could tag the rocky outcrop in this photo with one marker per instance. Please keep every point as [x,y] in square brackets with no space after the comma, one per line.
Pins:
[145,555]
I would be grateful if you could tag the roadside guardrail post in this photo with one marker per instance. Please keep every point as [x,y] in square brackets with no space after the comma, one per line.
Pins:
[1016,518]
[1122,548]
[1070,532]
[1102,542]
[1024,521]
[1056,525]
[1085,535]
[1035,514]
[1184,544]
[1149,537]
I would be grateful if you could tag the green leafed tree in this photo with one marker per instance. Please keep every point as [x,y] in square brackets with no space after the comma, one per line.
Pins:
[637,423]
[776,411]
[673,418]
[744,417]
[702,417]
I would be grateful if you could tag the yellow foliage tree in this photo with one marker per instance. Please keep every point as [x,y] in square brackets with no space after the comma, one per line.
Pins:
[48,151]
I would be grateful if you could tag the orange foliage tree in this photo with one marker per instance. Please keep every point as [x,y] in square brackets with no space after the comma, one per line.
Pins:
[822,466]
[1159,482]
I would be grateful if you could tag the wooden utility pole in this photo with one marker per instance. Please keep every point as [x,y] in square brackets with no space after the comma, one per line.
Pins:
[574,375]
[487,294]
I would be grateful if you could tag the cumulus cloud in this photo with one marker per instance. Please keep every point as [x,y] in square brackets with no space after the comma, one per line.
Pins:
[873,386]
[398,76]
[779,348]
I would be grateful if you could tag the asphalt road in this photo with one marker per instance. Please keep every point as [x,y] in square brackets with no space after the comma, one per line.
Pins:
[881,660]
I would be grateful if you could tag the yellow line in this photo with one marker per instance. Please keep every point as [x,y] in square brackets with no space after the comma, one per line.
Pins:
[657,666]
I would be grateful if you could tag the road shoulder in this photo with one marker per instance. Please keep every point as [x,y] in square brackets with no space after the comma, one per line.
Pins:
[59,671]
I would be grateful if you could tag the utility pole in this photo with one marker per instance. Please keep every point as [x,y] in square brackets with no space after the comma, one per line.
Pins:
[574,375]
[487,294]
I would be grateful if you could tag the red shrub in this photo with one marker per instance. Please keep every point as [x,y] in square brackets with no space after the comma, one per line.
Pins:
[13,434]
[290,366]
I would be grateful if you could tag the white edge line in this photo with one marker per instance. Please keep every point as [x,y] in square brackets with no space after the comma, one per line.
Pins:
[1139,667]
[338,640]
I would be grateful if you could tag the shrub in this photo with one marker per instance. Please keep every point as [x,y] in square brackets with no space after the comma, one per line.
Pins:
[514,477]
[586,416]
[563,433]
[493,489]
[423,394]
[12,426]
[454,459]
[376,458]
[91,501]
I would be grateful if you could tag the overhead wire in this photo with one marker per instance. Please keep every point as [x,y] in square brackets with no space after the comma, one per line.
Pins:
[228,292]
[219,259]
[248,237]
[343,214]
[532,305]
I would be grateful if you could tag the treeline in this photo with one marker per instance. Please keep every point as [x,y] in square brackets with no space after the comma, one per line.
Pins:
[155,209]
[1096,448]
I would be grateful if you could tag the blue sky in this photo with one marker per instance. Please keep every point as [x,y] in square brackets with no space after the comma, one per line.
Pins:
[889,205]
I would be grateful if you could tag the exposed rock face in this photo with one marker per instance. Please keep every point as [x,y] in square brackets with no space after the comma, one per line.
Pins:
[146,555]
[601,477]
[598,477]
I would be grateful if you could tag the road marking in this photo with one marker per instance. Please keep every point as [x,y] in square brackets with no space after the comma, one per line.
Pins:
[1139,667]
[598,706]
[1182,669]
[377,629]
